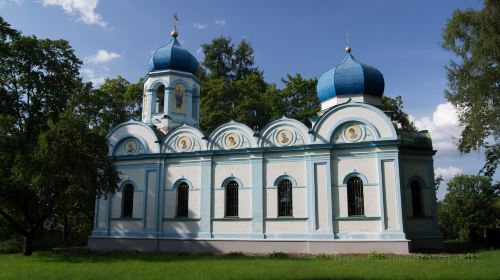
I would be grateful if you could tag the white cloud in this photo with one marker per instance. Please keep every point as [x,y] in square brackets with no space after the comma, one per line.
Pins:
[89,75]
[199,26]
[102,56]
[220,22]
[443,127]
[199,50]
[85,8]
[448,173]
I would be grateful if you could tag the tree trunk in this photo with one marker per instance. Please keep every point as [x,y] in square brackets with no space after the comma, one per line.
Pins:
[28,245]
[65,227]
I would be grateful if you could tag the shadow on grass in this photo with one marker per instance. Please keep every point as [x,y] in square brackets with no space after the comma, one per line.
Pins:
[458,247]
[84,255]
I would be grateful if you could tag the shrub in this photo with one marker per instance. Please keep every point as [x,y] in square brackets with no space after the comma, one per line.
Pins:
[278,255]
[10,247]
[322,256]
[375,256]
[235,254]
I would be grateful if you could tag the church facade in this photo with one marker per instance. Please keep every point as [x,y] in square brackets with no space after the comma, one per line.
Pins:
[351,183]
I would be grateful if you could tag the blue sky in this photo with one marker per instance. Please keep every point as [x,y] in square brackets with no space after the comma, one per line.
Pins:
[400,38]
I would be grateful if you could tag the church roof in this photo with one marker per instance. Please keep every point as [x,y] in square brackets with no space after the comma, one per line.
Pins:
[173,57]
[350,77]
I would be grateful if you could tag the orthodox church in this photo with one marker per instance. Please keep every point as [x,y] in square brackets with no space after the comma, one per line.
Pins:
[351,183]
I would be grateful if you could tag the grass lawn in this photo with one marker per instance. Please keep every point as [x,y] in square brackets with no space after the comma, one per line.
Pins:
[132,265]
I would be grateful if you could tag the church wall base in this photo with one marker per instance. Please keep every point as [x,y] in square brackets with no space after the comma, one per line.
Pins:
[249,246]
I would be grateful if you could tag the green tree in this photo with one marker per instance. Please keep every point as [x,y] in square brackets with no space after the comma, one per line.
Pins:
[297,99]
[49,157]
[114,102]
[474,37]
[233,87]
[219,57]
[468,204]
[395,105]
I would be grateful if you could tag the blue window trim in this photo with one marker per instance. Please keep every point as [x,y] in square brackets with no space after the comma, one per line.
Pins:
[285,177]
[355,174]
[229,179]
[182,180]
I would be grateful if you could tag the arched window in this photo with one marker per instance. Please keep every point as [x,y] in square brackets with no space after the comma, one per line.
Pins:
[127,201]
[232,199]
[160,99]
[285,198]
[182,200]
[355,200]
[416,198]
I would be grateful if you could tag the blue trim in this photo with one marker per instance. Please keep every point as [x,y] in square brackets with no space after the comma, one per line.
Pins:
[283,177]
[263,150]
[181,219]
[341,124]
[285,218]
[132,122]
[172,72]
[355,174]
[231,219]
[127,182]
[127,219]
[357,218]
[257,169]
[311,195]
[182,180]
[206,207]
[231,178]
[351,103]
[160,185]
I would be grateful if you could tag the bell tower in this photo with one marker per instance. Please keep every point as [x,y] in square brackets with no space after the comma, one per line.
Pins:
[171,89]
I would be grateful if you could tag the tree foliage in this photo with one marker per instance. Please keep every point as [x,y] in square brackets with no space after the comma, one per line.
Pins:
[474,37]
[50,158]
[234,88]
[468,204]
[114,102]
[395,105]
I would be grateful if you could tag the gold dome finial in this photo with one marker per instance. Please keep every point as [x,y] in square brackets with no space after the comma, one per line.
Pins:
[348,49]
[174,32]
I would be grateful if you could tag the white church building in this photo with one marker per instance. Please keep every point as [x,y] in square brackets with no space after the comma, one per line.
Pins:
[351,183]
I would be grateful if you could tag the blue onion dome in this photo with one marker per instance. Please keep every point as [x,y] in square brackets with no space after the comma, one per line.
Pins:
[350,77]
[173,57]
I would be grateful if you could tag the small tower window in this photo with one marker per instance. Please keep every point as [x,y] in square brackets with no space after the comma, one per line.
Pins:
[416,198]
[182,200]
[355,199]
[232,199]
[285,198]
[160,99]
[127,201]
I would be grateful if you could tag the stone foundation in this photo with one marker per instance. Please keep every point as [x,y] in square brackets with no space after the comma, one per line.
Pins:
[249,246]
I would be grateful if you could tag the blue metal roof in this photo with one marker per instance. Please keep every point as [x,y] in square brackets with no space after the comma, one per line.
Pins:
[350,77]
[173,56]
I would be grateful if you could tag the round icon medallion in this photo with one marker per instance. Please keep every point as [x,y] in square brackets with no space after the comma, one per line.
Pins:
[130,147]
[284,137]
[232,140]
[184,143]
[352,133]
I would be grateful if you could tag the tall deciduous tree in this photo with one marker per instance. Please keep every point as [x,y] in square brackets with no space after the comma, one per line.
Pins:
[474,37]
[49,157]
[114,102]
[468,204]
